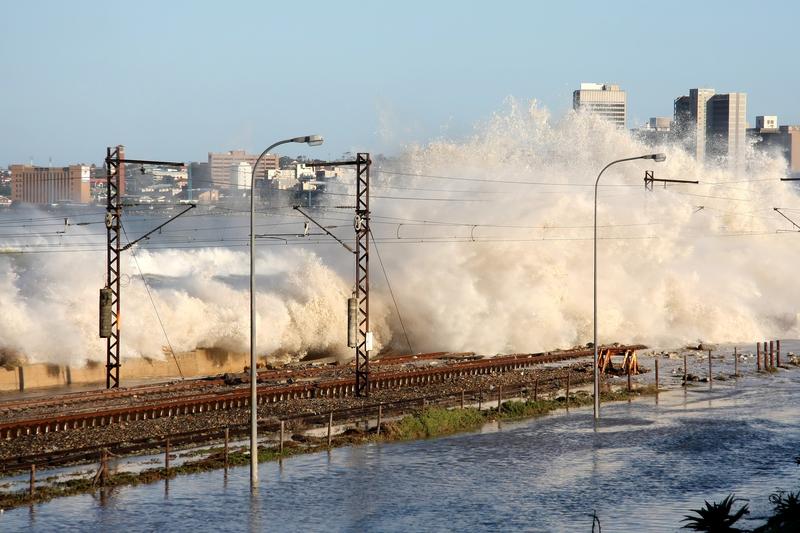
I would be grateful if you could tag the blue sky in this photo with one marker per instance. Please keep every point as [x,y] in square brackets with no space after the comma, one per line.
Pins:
[174,80]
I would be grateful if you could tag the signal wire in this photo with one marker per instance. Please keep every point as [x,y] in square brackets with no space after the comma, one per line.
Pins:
[153,303]
[391,292]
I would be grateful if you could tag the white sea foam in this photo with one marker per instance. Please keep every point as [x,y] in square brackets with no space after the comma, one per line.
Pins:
[675,265]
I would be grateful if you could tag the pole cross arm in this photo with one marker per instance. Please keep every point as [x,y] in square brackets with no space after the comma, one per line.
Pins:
[332,163]
[152,162]
[649,179]
[146,235]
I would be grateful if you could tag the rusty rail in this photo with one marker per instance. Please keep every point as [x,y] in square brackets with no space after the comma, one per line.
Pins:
[240,398]
[270,425]
[198,383]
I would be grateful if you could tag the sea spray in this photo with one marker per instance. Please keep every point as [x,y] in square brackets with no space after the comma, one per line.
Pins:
[675,265]
[498,260]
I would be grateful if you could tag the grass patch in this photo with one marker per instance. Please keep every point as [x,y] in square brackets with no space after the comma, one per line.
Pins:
[528,409]
[437,421]
[532,408]
[432,422]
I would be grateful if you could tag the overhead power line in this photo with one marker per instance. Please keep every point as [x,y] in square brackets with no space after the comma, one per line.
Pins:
[152,301]
[504,181]
[391,292]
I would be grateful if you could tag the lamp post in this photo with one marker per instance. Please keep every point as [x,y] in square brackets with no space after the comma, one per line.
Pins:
[657,158]
[311,140]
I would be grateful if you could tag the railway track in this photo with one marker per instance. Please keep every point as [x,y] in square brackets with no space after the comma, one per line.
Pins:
[192,385]
[56,458]
[200,400]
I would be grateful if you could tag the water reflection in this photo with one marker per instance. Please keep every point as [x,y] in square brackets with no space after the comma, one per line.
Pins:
[254,516]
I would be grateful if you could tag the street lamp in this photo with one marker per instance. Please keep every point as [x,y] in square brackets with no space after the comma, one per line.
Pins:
[658,158]
[311,140]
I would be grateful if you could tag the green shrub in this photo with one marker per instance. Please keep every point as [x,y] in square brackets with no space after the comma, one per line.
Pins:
[434,421]
[786,513]
[716,517]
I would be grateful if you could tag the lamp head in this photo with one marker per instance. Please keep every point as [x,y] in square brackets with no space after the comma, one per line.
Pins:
[658,158]
[311,140]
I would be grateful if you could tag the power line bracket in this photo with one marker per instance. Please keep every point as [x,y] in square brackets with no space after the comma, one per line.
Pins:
[649,179]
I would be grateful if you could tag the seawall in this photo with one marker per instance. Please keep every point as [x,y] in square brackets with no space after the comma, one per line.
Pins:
[201,362]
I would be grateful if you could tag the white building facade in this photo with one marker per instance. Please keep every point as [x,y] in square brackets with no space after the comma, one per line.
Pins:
[240,176]
[605,100]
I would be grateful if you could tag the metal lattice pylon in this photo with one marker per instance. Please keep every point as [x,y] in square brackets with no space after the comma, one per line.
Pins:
[115,187]
[115,180]
[362,272]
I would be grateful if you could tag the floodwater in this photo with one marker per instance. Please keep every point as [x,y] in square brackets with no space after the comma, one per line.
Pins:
[642,468]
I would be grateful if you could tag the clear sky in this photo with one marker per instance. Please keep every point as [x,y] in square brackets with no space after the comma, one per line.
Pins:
[177,79]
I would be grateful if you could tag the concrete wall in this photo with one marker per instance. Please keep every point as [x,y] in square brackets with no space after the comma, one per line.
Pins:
[206,362]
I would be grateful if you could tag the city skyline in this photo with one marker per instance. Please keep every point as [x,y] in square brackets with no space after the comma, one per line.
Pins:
[429,74]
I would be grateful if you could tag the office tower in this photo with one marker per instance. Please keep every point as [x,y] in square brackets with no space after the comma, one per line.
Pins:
[727,125]
[712,126]
[607,101]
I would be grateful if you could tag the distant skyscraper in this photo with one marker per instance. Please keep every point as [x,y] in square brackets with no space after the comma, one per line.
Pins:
[768,136]
[712,125]
[727,128]
[690,122]
[220,166]
[605,100]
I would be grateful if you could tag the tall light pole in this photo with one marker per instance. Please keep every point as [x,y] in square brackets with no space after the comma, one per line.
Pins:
[658,158]
[311,140]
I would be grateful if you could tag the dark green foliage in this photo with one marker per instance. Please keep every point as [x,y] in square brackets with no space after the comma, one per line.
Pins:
[432,422]
[716,517]
[786,509]
[515,409]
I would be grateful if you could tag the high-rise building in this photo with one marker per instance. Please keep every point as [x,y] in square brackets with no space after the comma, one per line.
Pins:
[50,185]
[605,100]
[690,121]
[767,136]
[727,127]
[220,164]
[712,125]
[791,135]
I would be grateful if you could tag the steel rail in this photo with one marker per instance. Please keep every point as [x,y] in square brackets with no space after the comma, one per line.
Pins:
[270,394]
[57,458]
[176,387]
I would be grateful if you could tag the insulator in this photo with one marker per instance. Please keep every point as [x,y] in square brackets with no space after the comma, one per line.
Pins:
[352,322]
[106,316]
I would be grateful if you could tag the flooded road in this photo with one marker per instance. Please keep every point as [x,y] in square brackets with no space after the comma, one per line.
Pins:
[641,469]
